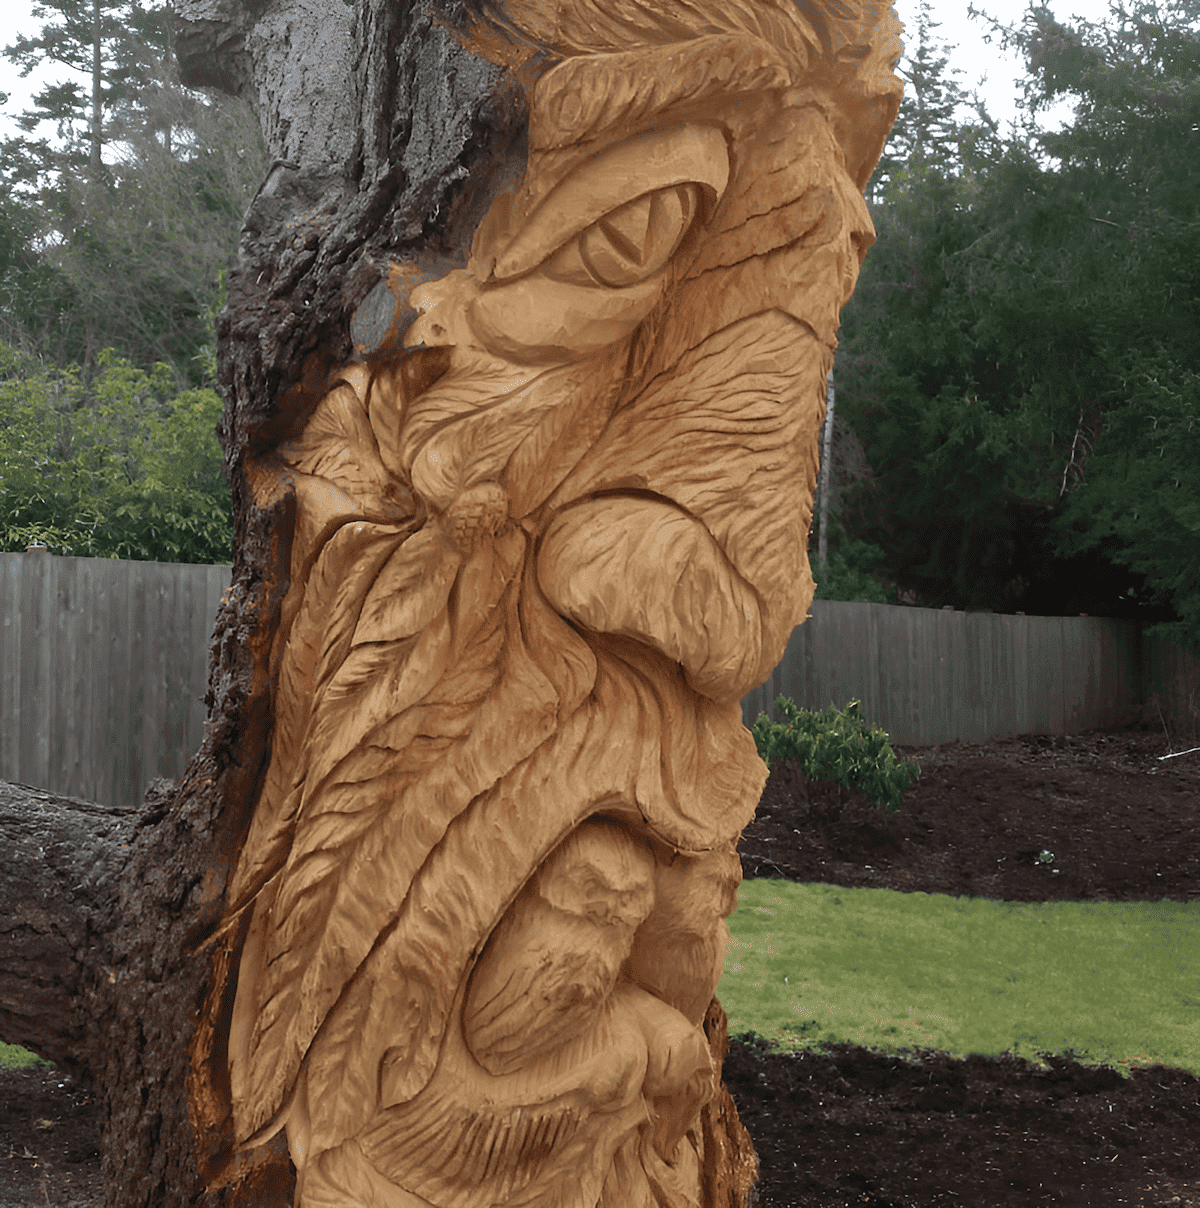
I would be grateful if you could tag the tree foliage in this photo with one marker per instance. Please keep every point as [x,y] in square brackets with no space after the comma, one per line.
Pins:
[126,467]
[112,269]
[127,254]
[1020,356]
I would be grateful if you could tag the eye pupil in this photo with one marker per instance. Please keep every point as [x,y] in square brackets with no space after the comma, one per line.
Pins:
[638,238]
[629,228]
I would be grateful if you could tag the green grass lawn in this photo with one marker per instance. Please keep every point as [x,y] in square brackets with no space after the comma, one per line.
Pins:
[13,1057]
[1110,982]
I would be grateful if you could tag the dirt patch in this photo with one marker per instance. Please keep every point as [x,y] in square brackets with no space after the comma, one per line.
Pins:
[852,1128]
[1122,825]
[49,1141]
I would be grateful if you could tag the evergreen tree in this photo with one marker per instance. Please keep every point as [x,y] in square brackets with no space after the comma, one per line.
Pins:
[126,51]
[128,253]
[1020,355]
[932,127]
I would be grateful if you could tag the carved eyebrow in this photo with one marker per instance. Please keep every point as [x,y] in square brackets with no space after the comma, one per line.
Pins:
[657,159]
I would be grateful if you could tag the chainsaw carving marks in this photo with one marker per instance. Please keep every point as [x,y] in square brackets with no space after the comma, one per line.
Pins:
[539,555]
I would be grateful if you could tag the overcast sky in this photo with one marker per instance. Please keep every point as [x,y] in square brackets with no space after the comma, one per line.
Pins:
[983,66]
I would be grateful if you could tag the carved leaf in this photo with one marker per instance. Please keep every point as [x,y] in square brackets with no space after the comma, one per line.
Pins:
[476,447]
[338,445]
[409,590]
[565,659]
[343,1077]
[387,777]
[318,639]
[564,433]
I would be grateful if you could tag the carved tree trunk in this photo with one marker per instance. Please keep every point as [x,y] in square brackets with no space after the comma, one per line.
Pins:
[388,142]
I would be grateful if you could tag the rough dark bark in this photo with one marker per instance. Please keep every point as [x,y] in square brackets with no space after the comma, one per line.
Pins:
[59,868]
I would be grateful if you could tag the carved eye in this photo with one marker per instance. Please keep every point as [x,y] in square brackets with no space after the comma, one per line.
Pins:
[628,244]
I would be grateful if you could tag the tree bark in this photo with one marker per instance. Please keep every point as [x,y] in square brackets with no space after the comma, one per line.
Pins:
[59,873]
[96,131]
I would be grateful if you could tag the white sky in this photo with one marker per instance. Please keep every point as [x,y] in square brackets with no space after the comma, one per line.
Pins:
[983,66]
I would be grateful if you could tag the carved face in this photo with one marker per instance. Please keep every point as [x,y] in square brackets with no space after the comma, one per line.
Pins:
[615,473]
[671,284]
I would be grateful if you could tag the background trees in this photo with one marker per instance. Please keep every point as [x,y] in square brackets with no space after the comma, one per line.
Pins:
[115,240]
[1018,361]
[124,467]
[1020,357]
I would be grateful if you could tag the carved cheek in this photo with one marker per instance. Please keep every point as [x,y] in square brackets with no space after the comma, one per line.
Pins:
[536,319]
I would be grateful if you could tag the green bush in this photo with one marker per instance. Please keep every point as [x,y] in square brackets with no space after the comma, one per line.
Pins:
[837,745]
[853,570]
[125,466]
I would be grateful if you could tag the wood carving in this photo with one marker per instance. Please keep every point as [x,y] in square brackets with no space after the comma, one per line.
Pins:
[546,536]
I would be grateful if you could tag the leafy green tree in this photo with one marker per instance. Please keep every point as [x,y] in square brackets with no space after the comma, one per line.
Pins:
[1024,335]
[126,468]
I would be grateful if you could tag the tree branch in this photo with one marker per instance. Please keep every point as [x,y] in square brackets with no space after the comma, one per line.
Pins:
[60,866]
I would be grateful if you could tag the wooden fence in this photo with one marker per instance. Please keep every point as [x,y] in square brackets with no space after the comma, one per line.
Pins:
[103,669]
[930,675]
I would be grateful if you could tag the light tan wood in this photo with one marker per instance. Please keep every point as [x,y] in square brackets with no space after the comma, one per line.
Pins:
[540,553]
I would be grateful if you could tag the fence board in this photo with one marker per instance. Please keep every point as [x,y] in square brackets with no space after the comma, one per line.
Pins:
[1171,690]
[104,664]
[930,675]
[103,669]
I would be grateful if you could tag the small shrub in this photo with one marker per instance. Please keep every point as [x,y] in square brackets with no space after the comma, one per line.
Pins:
[837,745]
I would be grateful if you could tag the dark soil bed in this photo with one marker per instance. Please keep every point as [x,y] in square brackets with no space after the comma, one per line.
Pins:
[851,1128]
